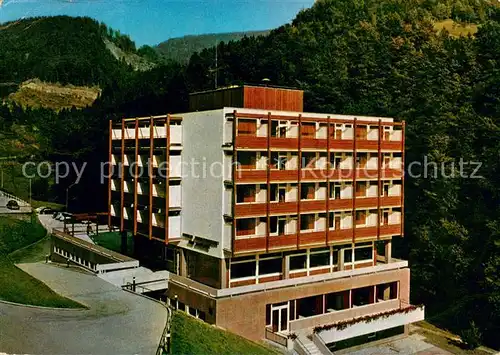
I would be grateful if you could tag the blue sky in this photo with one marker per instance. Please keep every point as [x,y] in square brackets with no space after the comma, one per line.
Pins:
[154,21]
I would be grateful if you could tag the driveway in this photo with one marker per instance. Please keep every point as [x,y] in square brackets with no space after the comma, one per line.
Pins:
[414,344]
[117,322]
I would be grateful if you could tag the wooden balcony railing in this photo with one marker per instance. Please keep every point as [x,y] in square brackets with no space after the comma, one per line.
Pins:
[290,207]
[249,244]
[255,142]
[260,175]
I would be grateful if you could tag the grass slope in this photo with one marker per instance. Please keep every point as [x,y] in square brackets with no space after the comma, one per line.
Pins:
[21,241]
[192,336]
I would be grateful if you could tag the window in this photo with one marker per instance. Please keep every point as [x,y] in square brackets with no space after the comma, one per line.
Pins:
[270,266]
[360,217]
[281,193]
[308,160]
[363,254]
[192,311]
[279,129]
[361,132]
[298,262]
[317,259]
[278,193]
[247,127]
[279,160]
[245,226]
[273,227]
[347,256]
[384,217]
[361,159]
[306,222]
[335,257]
[362,296]
[245,193]
[336,131]
[385,190]
[337,301]
[334,221]
[388,291]
[310,306]
[361,188]
[244,269]
[335,189]
[281,225]
[246,160]
[308,130]
[307,191]
[336,160]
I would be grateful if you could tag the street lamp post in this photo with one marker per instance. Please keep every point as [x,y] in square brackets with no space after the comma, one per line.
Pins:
[67,194]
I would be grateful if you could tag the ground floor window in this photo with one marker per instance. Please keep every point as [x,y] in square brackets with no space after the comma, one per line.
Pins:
[362,296]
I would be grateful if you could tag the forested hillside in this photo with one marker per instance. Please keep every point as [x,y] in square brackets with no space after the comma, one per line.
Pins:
[180,49]
[60,49]
[388,58]
[368,57]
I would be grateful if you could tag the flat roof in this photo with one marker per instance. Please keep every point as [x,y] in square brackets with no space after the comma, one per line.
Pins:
[245,85]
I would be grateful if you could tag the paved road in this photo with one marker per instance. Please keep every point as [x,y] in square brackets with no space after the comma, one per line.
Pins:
[50,223]
[117,322]
[413,345]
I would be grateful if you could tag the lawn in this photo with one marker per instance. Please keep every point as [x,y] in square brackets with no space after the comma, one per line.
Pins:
[112,241]
[55,206]
[32,253]
[444,339]
[25,241]
[192,336]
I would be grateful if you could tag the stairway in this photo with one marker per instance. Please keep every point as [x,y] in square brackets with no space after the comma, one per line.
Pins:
[307,346]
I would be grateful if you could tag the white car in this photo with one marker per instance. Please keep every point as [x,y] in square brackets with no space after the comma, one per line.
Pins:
[40,209]
[63,216]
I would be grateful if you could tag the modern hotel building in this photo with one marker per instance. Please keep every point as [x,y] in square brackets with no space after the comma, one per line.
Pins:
[274,223]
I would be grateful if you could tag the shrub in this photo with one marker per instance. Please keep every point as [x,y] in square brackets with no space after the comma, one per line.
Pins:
[471,336]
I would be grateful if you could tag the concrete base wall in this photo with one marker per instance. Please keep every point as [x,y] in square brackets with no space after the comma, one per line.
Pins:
[245,314]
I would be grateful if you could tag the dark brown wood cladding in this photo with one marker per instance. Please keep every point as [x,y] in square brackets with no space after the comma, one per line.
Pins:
[268,98]
[257,97]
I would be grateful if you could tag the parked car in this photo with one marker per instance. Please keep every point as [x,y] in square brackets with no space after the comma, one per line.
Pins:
[13,205]
[63,216]
[46,210]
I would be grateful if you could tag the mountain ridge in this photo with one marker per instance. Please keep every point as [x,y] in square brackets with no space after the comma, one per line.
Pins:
[180,49]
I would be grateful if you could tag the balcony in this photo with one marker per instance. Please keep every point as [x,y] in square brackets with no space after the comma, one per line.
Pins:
[145,133]
[258,243]
[391,142]
[292,175]
[370,319]
[254,209]
[334,317]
